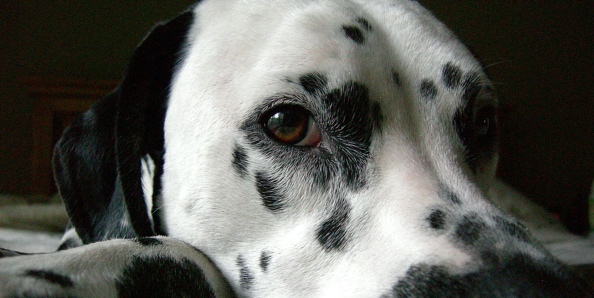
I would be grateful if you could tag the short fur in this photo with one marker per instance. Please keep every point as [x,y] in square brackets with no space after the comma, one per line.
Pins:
[390,202]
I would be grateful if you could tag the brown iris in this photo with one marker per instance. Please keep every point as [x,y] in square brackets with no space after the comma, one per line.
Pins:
[288,125]
[292,125]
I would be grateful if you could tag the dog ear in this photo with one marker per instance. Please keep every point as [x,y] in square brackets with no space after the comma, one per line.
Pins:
[97,162]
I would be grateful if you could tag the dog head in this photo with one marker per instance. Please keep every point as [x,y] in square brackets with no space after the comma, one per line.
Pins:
[322,147]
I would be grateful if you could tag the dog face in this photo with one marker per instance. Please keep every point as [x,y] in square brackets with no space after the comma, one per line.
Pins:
[320,147]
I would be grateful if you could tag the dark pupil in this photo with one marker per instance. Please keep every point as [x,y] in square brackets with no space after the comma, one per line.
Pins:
[483,123]
[482,127]
[288,126]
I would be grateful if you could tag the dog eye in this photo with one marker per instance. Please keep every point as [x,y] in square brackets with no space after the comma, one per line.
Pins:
[292,125]
[484,122]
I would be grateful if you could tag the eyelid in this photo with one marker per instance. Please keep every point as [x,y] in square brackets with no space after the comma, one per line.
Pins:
[285,99]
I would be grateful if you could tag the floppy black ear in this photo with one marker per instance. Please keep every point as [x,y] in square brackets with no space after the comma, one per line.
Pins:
[97,162]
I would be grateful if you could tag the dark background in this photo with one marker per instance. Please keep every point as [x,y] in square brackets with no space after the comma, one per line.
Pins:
[540,55]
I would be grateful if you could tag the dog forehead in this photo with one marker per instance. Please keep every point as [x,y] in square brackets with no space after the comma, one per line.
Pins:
[243,51]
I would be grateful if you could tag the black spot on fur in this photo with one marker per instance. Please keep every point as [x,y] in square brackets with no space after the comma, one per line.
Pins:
[265,260]
[512,228]
[396,78]
[452,75]
[148,241]
[332,233]
[350,127]
[246,277]
[469,229]
[428,281]
[472,86]
[240,160]
[363,22]
[437,219]
[160,276]
[51,277]
[271,195]
[516,276]
[448,195]
[313,82]
[354,33]
[428,89]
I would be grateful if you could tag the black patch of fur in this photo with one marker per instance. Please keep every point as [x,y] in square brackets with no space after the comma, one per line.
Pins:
[451,75]
[469,229]
[157,211]
[272,196]
[354,33]
[365,24]
[472,86]
[99,181]
[265,260]
[246,277]
[513,228]
[437,219]
[240,160]
[516,276]
[51,277]
[160,276]
[148,241]
[428,89]
[448,195]
[332,233]
[349,124]
[313,83]
[139,126]
[85,171]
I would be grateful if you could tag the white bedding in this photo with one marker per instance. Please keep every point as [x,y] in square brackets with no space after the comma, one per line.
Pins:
[37,227]
[29,241]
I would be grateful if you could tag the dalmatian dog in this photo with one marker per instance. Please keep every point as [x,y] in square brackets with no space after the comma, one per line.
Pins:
[330,148]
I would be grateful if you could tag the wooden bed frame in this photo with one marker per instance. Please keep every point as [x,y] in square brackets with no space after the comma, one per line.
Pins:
[56,103]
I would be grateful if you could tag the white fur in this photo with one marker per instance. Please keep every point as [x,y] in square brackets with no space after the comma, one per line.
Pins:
[240,53]
[96,278]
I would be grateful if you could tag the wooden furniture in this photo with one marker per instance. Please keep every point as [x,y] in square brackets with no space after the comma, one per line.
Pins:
[56,103]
